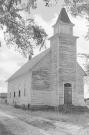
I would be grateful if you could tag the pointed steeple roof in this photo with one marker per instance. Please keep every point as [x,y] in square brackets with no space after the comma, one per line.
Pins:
[63,17]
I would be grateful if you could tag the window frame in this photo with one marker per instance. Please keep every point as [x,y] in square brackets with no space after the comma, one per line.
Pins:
[19,93]
[14,94]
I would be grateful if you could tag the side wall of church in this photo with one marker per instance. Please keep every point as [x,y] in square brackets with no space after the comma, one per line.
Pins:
[22,84]
[41,93]
[78,98]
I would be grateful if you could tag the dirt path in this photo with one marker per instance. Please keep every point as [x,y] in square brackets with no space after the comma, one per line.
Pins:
[4,131]
[20,122]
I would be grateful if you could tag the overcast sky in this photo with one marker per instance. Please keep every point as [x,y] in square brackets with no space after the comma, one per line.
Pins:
[10,60]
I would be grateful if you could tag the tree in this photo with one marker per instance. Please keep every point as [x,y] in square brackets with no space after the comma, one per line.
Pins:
[25,35]
[85,63]
[75,8]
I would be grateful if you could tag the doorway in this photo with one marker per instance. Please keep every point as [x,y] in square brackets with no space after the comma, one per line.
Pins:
[68,94]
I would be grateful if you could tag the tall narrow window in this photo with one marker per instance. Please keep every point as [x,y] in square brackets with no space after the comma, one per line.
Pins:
[10,94]
[19,93]
[14,94]
[24,92]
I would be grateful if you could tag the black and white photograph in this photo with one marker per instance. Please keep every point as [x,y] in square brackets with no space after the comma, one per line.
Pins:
[44,67]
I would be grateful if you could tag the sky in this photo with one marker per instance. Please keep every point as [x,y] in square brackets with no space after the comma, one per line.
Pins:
[11,60]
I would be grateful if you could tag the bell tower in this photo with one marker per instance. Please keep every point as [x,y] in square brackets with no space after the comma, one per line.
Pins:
[63,55]
[63,24]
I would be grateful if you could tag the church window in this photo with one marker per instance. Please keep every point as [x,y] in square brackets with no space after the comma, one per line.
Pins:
[24,92]
[10,94]
[14,94]
[19,93]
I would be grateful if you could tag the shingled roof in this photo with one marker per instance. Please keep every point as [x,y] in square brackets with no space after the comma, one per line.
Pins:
[29,65]
[63,17]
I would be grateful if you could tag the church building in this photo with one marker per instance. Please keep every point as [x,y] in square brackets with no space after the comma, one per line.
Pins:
[53,77]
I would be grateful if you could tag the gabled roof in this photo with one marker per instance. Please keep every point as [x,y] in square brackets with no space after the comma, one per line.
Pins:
[29,65]
[63,17]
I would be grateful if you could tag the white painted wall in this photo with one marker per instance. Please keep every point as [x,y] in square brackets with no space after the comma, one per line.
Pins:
[44,97]
[17,84]
[79,93]
[63,28]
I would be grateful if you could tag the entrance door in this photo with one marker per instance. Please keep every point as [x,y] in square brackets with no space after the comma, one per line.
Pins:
[67,93]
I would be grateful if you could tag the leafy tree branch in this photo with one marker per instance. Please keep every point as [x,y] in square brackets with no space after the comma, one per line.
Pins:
[26,35]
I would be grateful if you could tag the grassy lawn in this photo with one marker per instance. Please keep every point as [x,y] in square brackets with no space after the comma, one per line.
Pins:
[77,117]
